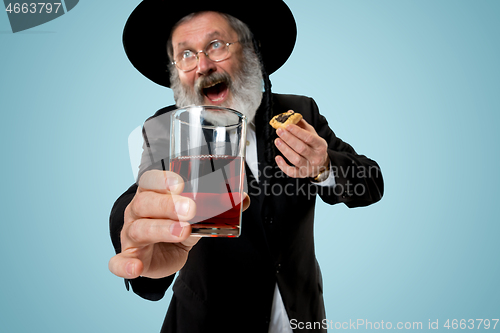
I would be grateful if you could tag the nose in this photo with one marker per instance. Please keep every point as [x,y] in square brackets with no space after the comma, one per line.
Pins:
[205,65]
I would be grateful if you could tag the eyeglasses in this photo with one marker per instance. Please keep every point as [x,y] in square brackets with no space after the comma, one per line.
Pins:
[216,50]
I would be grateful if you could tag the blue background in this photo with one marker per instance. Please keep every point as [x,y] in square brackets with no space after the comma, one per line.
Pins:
[412,84]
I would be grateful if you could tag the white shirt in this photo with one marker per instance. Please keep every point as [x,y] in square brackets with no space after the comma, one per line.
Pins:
[279,323]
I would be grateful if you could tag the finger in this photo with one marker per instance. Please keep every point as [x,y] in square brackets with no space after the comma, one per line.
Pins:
[305,125]
[148,204]
[306,133]
[246,201]
[191,241]
[316,154]
[287,169]
[295,143]
[296,159]
[125,266]
[161,182]
[151,231]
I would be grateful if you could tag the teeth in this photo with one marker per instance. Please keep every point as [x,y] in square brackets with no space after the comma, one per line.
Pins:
[213,84]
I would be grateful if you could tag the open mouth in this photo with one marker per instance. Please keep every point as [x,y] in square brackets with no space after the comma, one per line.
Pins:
[216,92]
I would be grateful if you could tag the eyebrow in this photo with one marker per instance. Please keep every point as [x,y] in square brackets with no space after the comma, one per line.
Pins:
[210,36]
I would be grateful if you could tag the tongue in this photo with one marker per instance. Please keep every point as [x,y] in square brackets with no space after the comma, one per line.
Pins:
[216,92]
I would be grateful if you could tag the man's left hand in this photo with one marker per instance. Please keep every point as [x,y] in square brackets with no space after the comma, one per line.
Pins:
[304,148]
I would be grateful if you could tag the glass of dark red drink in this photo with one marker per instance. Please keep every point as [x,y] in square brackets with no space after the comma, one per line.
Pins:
[207,148]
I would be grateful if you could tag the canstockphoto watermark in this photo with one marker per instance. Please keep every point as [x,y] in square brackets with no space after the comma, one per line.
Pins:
[352,182]
[307,189]
[430,324]
[24,15]
[350,171]
[355,324]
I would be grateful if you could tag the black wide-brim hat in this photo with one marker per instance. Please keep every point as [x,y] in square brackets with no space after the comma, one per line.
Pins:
[149,26]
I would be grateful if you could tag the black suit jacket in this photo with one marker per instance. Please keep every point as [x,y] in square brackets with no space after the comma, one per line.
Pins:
[227,285]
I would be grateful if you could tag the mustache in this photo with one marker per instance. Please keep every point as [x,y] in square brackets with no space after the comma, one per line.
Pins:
[245,86]
[211,80]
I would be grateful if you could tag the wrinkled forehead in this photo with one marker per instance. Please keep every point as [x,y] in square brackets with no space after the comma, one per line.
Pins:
[202,26]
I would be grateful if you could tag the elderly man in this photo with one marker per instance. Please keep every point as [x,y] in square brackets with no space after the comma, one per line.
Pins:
[222,54]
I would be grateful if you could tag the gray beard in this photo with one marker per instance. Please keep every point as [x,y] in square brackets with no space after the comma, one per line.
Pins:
[246,88]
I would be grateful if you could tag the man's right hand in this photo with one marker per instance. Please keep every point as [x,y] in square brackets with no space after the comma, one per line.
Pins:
[156,237]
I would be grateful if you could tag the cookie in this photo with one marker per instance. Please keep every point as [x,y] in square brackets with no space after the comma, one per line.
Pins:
[283,119]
